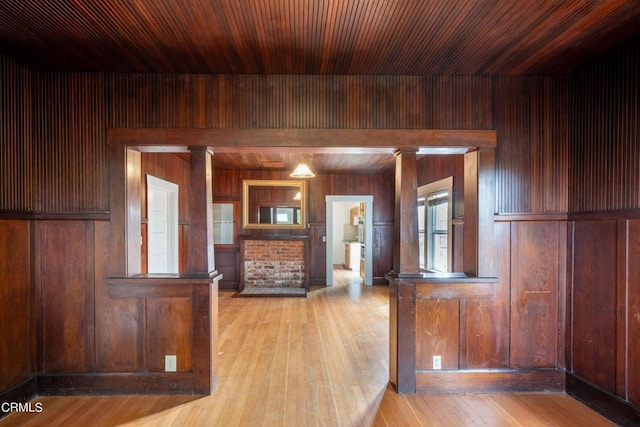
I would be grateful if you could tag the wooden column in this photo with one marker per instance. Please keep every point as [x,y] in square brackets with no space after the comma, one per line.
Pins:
[479,210]
[405,231]
[406,267]
[200,261]
[200,258]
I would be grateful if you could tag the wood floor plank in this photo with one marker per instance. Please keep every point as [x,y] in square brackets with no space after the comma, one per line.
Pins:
[315,361]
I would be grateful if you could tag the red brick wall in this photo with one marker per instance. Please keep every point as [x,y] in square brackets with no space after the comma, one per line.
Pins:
[274,263]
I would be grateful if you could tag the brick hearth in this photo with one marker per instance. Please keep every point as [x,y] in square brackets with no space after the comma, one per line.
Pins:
[274,264]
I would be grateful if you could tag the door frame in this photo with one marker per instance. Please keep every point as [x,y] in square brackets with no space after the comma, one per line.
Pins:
[368,234]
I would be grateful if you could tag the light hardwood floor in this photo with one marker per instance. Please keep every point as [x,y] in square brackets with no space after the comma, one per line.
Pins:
[315,361]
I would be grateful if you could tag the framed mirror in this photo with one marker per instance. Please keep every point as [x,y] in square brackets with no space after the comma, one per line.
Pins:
[275,204]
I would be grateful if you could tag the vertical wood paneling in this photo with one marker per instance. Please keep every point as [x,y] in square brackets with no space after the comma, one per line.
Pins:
[66,281]
[118,321]
[437,333]
[534,294]
[632,313]
[594,302]
[533,140]
[16,304]
[605,126]
[162,100]
[16,189]
[73,110]
[70,152]
[169,331]
[485,323]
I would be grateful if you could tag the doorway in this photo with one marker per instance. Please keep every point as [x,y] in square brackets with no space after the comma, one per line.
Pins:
[162,227]
[367,238]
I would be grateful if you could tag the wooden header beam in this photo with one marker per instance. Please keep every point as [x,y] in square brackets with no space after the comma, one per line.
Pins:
[180,138]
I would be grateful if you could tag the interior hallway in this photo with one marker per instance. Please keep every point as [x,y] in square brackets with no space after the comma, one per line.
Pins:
[315,361]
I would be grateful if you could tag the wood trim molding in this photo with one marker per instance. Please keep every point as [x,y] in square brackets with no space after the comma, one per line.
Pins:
[178,139]
[604,402]
[600,215]
[58,216]
[512,217]
[490,381]
[157,286]
[116,383]
[456,290]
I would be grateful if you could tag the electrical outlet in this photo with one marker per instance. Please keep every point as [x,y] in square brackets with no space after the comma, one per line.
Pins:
[170,363]
[437,362]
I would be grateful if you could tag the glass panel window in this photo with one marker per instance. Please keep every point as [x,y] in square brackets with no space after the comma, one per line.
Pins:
[223,223]
[434,225]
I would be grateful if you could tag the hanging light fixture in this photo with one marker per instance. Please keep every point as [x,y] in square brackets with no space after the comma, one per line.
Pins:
[302,171]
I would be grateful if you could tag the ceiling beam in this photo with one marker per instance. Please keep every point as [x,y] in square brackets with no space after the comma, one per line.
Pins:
[177,139]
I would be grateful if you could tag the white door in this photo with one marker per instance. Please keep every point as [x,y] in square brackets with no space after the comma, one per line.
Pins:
[162,226]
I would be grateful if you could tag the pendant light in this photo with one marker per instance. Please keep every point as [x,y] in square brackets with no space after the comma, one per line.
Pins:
[302,171]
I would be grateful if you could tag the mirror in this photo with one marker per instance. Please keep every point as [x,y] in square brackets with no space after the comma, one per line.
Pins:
[276,204]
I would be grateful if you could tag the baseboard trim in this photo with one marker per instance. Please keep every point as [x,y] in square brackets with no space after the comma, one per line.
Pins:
[112,383]
[21,392]
[606,403]
[490,381]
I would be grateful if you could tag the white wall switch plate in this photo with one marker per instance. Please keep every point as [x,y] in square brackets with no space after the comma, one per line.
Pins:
[170,363]
[437,362]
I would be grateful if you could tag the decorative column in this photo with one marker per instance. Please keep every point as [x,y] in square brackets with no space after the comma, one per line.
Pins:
[200,257]
[200,262]
[402,280]
[405,231]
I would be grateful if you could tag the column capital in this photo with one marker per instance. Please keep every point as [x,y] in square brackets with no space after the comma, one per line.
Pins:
[405,150]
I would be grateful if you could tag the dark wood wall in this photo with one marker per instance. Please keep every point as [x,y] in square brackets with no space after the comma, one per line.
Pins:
[65,153]
[603,342]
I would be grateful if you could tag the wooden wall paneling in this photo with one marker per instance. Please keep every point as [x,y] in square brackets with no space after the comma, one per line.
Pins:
[563,291]
[485,324]
[532,157]
[317,254]
[169,328]
[470,244]
[119,322]
[67,296]
[144,248]
[594,302]
[605,176]
[70,162]
[17,306]
[382,251]
[374,102]
[437,333]
[535,271]
[227,262]
[622,305]
[16,179]
[632,315]
[156,101]
[163,100]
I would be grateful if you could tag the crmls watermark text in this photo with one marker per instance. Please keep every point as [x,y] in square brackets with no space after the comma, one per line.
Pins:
[21,407]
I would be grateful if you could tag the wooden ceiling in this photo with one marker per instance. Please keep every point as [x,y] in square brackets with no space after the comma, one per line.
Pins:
[340,37]
[320,37]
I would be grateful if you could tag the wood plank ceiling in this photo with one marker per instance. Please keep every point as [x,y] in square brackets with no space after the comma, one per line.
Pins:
[319,37]
[339,37]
